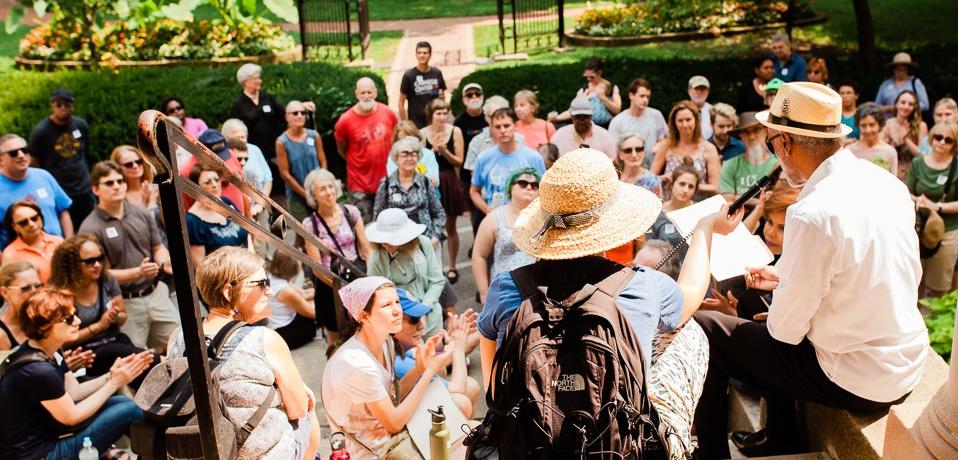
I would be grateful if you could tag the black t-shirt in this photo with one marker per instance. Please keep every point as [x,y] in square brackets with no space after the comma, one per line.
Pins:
[470,125]
[420,88]
[61,150]
[265,121]
[27,430]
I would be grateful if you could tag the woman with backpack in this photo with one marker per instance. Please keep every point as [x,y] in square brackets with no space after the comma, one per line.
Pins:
[234,285]
[361,393]
[47,413]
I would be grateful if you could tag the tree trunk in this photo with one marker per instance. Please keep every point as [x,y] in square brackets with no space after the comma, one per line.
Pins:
[866,33]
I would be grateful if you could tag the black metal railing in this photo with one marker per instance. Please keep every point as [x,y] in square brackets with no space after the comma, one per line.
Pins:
[159,140]
[529,25]
[334,29]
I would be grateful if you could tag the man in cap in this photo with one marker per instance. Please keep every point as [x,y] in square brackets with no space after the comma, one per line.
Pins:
[743,171]
[583,132]
[839,331]
[698,91]
[214,140]
[789,66]
[59,144]
[771,89]
[472,120]
[582,211]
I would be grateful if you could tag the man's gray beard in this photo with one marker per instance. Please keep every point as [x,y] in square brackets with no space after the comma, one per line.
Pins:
[754,152]
[474,104]
[367,106]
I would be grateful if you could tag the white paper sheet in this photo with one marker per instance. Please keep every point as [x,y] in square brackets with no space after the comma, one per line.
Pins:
[421,421]
[730,253]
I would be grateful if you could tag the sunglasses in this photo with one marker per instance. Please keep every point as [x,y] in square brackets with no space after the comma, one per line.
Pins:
[940,138]
[211,181]
[27,287]
[69,319]
[296,113]
[263,284]
[131,164]
[91,261]
[631,150]
[26,220]
[522,183]
[472,95]
[242,159]
[62,104]
[112,182]
[13,153]
[175,108]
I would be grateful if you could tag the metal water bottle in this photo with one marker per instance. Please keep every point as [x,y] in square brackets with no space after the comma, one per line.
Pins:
[438,436]
[338,443]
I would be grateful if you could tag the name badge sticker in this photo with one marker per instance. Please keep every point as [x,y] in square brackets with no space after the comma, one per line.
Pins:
[42,193]
[942,180]
[267,109]
[310,141]
[77,134]
[784,71]
[418,258]
[111,232]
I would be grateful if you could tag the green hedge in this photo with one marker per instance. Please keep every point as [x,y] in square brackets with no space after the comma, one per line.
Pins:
[556,84]
[112,101]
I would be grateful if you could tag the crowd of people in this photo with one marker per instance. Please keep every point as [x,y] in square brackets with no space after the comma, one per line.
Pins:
[86,272]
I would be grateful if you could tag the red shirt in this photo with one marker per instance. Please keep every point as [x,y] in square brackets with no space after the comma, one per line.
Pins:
[368,139]
[229,190]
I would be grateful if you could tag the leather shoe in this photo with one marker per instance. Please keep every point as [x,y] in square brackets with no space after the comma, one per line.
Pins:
[752,444]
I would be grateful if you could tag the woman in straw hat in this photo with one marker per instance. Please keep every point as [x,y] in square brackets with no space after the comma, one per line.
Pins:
[361,394]
[902,79]
[840,330]
[582,211]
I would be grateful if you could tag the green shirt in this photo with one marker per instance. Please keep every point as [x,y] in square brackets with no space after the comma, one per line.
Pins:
[924,180]
[738,174]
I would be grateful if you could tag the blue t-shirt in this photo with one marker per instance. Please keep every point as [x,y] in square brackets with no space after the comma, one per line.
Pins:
[214,236]
[796,69]
[850,122]
[41,187]
[733,148]
[493,167]
[651,301]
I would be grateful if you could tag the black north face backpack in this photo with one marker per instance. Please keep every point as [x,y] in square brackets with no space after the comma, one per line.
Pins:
[569,380]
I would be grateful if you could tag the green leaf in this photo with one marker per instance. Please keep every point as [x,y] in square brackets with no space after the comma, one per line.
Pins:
[40,7]
[13,21]
[285,9]
[247,7]
[182,11]
[122,9]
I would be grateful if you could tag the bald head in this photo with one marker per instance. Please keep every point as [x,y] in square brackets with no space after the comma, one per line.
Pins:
[366,93]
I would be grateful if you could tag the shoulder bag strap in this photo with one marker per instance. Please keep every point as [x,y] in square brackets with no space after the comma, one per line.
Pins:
[352,227]
[951,178]
[331,234]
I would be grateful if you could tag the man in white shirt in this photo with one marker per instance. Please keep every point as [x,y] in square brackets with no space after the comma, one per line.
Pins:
[699,95]
[640,119]
[583,132]
[842,329]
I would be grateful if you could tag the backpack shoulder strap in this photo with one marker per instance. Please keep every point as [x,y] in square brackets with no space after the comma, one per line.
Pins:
[247,429]
[525,280]
[21,357]
[219,340]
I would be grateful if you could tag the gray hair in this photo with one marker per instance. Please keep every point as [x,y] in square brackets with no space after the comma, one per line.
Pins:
[234,124]
[818,147]
[246,71]
[625,137]
[320,175]
[781,37]
[492,103]
[406,143]
[9,137]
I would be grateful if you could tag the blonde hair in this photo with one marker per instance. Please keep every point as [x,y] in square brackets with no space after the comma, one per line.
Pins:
[724,110]
[407,128]
[226,266]
[529,97]
[946,129]
[148,172]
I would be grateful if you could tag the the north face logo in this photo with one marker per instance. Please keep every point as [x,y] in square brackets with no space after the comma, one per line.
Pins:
[570,382]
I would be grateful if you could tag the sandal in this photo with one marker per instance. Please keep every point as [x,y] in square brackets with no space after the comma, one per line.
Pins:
[452,275]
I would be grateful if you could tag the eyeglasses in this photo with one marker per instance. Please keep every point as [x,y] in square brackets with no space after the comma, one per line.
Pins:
[408,154]
[211,181]
[112,182]
[262,284]
[296,113]
[472,95]
[62,104]
[522,183]
[242,159]
[131,164]
[175,108]
[91,261]
[27,287]
[940,138]
[769,144]
[13,153]
[69,319]
[631,150]
[26,220]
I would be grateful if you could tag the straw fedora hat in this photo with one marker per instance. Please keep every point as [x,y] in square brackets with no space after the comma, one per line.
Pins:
[902,59]
[807,109]
[583,209]
[393,227]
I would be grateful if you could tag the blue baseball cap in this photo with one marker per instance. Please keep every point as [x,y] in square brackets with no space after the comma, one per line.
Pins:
[214,140]
[410,307]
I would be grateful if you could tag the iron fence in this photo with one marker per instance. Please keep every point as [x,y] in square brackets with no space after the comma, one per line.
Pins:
[334,29]
[530,24]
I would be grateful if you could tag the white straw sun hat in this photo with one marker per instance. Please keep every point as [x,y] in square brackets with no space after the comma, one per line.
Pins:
[583,209]
[807,109]
[393,227]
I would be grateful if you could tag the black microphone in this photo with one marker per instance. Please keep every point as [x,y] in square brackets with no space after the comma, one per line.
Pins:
[754,190]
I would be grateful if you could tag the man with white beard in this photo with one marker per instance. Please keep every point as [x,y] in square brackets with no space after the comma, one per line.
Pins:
[699,95]
[364,137]
[743,171]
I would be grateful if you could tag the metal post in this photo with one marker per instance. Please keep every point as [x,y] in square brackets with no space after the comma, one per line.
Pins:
[349,31]
[561,23]
[515,25]
[364,34]
[502,30]
[790,18]
[300,10]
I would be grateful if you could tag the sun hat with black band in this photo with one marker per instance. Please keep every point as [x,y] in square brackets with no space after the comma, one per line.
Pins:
[806,109]
[583,209]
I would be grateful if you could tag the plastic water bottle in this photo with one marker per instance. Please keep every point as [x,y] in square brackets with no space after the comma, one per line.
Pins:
[88,452]
[438,436]
[338,443]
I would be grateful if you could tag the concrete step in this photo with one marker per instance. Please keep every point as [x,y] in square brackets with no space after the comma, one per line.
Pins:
[808,456]
[745,412]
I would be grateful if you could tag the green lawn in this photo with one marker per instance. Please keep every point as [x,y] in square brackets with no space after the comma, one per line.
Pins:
[414,9]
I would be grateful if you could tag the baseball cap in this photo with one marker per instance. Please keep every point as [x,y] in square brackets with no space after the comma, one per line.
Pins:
[471,86]
[697,81]
[61,93]
[213,139]
[774,85]
[410,307]
[580,106]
